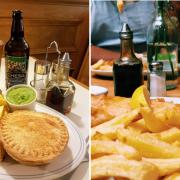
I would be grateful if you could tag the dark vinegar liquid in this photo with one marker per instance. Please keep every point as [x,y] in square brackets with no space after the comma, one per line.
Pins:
[56,100]
[127,77]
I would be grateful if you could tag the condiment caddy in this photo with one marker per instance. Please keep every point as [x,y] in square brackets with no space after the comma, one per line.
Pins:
[51,80]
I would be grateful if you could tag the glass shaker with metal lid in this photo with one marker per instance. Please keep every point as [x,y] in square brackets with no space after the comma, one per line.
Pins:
[41,78]
[157,79]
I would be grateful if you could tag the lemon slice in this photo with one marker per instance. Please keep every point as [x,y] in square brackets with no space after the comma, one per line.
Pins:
[140,97]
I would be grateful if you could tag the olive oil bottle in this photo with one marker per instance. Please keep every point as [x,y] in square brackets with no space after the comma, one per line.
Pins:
[127,70]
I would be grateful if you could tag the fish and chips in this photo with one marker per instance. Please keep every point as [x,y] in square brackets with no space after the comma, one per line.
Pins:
[140,143]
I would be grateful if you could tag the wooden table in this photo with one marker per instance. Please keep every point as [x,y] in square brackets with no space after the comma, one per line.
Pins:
[108,83]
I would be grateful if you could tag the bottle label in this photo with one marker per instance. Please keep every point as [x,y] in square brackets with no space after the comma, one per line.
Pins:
[16,70]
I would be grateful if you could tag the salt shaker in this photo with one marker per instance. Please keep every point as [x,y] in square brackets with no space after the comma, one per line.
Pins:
[157,79]
[41,79]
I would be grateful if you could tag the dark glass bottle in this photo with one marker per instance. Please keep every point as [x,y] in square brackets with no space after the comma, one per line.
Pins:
[127,71]
[16,53]
[60,91]
[162,43]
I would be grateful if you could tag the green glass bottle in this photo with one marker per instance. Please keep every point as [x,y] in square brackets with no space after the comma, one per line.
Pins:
[162,43]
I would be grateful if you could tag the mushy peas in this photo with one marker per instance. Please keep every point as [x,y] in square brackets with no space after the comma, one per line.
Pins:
[20,95]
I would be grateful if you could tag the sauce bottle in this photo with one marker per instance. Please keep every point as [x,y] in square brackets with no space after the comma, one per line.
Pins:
[16,53]
[60,92]
[127,70]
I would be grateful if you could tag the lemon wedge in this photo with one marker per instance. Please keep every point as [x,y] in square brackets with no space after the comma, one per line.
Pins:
[140,97]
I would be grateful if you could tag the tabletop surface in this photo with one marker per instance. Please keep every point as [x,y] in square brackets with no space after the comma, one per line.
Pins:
[108,83]
[79,115]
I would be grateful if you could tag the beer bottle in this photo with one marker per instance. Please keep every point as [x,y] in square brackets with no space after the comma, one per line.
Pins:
[16,52]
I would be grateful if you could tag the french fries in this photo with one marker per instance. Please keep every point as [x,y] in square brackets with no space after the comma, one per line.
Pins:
[120,5]
[4,109]
[117,166]
[99,136]
[100,148]
[154,121]
[176,143]
[175,176]
[148,146]
[98,64]
[171,135]
[165,166]
[138,126]
[173,116]
[124,120]
[143,144]
[109,132]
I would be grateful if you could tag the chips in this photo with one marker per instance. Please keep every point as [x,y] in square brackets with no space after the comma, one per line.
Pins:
[147,145]
[118,166]
[165,166]
[100,148]
[143,144]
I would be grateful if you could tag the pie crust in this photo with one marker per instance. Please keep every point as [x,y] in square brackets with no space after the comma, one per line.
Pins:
[33,138]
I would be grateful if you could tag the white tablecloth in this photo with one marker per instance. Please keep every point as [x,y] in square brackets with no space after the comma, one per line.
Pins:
[79,115]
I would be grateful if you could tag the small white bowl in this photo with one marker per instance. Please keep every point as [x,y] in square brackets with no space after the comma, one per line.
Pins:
[28,106]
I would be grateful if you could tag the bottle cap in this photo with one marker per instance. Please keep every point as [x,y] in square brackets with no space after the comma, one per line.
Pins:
[156,66]
[42,67]
[126,32]
[17,13]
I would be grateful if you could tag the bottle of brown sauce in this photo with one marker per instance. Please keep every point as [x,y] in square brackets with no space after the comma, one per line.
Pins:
[127,70]
[16,53]
[60,91]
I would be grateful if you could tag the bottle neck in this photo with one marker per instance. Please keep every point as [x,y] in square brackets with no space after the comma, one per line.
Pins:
[17,29]
[63,73]
[126,49]
[161,7]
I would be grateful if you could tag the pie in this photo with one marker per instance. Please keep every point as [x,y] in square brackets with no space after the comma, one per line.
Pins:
[33,138]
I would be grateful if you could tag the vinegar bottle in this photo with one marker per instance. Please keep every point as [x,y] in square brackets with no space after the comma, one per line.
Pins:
[127,70]
[60,91]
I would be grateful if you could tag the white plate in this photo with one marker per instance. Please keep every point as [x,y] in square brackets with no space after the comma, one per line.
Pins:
[69,160]
[106,73]
[175,100]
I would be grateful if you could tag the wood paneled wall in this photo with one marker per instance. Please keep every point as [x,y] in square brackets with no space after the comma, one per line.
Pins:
[65,21]
[83,76]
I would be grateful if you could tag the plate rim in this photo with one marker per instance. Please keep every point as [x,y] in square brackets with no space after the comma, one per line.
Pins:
[71,165]
[109,73]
